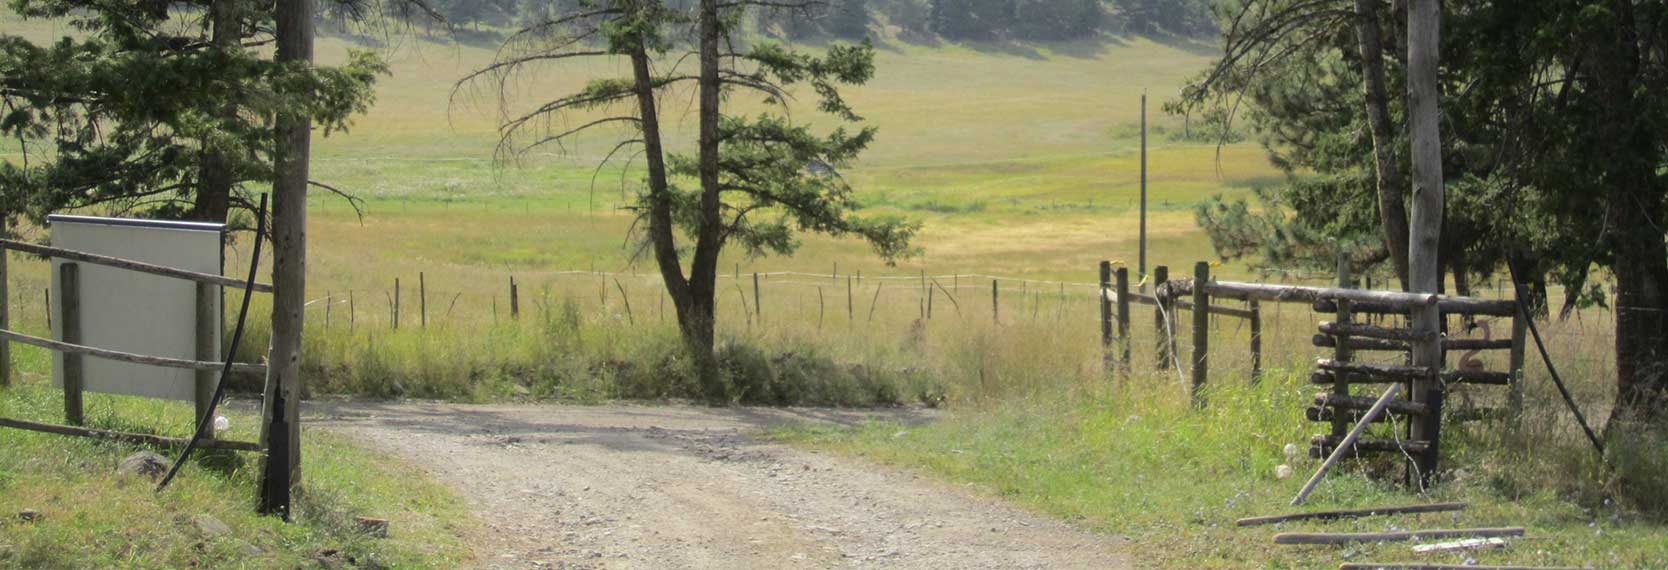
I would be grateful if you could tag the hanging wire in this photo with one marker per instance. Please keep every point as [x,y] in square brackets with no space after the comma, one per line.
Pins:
[206,422]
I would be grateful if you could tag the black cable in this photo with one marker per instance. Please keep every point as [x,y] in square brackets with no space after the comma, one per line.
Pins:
[1523,313]
[207,421]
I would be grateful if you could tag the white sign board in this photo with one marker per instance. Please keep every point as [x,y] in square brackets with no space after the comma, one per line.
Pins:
[136,312]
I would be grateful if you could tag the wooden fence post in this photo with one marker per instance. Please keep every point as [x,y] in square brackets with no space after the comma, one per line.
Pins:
[1201,331]
[422,301]
[515,300]
[207,318]
[1514,398]
[1161,337]
[1256,340]
[396,319]
[350,312]
[1106,315]
[849,312]
[1341,353]
[1123,316]
[995,309]
[69,321]
[328,297]
[758,302]
[5,323]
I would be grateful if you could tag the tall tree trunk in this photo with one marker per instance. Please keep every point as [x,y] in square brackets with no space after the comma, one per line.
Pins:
[1424,268]
[1635,210]
[661,230]
[709,239]
[1391,212]
[214,177]
[289,259]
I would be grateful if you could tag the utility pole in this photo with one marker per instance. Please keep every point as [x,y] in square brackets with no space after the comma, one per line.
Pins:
[1423,41]
[1141,269]
[281,412]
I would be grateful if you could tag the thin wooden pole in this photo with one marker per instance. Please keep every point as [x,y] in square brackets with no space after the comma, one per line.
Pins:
[327,302]
[631,320]
[207,333]
[1256,340]
[849,311]
[1161,330]
[758,302]
[1514,398]
[422,301]
[1353,513]
[5,323]
[139,438]
[515,300]
[1123,315]
[1106,316]
[1349,441]
[130,265]
[1141,269]
[995,308]
[396,303]
[1341,352]
[350,311]
[69,321]
[819,307]
[1201,331]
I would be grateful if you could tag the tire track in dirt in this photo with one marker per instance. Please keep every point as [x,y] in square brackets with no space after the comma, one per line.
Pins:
[628,487]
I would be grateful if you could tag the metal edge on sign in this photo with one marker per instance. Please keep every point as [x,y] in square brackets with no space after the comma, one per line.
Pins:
[138,223]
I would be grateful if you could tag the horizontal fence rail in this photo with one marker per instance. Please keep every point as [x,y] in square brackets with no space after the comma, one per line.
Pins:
[129,265]
[105,353]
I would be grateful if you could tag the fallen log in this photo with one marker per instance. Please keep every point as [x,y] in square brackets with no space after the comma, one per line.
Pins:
[1352,537]
[1352,513]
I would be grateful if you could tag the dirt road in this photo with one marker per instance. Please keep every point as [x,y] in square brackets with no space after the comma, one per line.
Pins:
[688,487]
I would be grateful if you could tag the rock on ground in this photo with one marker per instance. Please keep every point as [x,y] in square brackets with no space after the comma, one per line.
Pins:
[686,487]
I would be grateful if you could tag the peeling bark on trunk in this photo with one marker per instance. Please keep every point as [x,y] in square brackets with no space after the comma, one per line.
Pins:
[1391,210]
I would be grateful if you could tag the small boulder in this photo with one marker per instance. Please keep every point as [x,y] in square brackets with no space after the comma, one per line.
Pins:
[145,464]
[28,515]
[210,527]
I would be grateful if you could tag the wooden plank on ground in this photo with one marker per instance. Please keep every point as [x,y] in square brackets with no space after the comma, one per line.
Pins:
[1404,536]
[1352,513]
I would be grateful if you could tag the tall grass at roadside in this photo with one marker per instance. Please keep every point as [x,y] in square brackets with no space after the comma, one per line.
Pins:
[1133,458]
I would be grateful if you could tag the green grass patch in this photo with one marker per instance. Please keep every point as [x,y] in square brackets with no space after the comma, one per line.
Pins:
[1135,460]
[92,517]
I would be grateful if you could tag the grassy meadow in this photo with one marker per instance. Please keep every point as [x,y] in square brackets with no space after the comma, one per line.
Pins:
[1022,164]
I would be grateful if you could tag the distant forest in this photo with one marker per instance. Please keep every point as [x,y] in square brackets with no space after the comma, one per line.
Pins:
[909,20]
